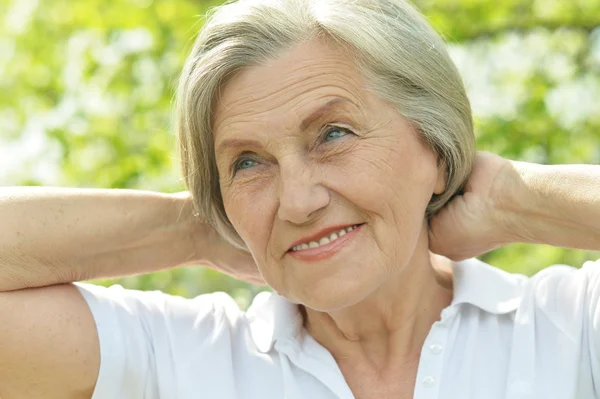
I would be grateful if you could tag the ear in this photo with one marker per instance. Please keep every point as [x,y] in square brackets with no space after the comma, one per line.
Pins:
[440,184]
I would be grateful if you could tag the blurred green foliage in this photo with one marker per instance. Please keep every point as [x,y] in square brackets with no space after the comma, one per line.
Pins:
[86,90]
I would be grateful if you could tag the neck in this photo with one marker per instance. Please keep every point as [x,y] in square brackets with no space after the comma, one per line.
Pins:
[388,328]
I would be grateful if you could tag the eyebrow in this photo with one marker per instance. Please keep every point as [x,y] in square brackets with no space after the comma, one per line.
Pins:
[322,110]
[305,124]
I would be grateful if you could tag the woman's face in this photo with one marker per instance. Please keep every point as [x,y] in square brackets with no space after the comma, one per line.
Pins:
[305,151]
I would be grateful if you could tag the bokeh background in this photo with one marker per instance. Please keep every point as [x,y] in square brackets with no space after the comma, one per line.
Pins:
[87,86]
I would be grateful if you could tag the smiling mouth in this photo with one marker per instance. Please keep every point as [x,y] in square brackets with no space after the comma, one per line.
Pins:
[324,240]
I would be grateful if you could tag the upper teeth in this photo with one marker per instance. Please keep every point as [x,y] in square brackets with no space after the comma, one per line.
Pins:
[324,240]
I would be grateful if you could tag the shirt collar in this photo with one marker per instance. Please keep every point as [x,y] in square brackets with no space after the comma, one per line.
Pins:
[272,317]
[486,287]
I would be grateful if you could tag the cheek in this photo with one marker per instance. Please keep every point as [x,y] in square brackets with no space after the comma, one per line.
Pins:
[251,212]
[380,170]
[249,208]
[391,182]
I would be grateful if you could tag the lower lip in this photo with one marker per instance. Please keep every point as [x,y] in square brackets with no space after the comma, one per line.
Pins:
[325,251]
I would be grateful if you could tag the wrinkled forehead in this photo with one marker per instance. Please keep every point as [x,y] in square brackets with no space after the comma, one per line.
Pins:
[282,91]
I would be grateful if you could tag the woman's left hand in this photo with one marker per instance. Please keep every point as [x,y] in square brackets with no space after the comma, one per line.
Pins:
[472,223]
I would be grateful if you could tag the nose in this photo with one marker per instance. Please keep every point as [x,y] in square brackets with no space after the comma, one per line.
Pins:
[301,196]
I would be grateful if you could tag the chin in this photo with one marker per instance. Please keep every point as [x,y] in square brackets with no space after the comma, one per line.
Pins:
[331,296]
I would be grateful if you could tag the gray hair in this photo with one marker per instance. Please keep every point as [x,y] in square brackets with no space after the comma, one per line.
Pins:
[402,58]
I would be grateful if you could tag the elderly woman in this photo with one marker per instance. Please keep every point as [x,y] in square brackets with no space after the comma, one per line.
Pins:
[325,145]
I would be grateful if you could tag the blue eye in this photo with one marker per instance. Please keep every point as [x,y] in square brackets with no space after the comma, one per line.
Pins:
[243,163]
[246,163]
[334,132]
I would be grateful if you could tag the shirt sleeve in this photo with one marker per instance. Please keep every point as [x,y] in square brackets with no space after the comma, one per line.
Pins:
[147,336]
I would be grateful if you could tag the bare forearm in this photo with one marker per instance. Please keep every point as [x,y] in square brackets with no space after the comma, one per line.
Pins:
[56,235]
[556,205]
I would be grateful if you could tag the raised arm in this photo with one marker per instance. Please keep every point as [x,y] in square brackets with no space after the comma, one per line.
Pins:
[507,201]
[48,340]
[554,204]
[58,235]
[49,345]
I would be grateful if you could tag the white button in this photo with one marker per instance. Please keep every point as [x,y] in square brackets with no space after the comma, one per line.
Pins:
[429,381]
[436,349]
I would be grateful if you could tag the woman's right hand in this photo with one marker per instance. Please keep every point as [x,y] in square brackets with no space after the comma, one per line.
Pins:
[226,258]
[212,249]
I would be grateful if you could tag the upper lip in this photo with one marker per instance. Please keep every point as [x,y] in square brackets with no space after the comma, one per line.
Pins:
[321,233]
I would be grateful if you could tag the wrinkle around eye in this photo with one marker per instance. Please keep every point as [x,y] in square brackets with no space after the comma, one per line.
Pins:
[231,187]
[339,147]
[244,177]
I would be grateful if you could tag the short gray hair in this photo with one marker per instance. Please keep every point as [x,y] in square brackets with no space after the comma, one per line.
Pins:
[403,60]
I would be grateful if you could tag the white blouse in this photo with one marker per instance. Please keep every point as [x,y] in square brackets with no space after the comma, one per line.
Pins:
[503,336]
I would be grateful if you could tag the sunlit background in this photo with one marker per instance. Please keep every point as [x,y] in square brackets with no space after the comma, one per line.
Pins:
[86,90]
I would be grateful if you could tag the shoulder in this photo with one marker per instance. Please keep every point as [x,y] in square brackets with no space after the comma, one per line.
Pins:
[560,293]
[157,306]
[564,296]
[153,344]
[563,284]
